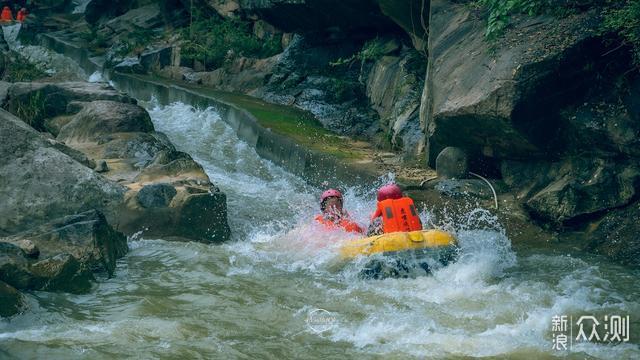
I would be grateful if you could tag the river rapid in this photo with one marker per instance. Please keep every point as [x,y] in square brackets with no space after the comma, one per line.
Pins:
[256,296]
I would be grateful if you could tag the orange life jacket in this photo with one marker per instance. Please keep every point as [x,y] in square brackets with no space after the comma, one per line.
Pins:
[6,15]
[21,15]
[398,215]
[345,224]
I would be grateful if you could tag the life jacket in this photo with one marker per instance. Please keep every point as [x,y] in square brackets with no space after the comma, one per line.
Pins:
[6,15]
[345,224]
[398,215]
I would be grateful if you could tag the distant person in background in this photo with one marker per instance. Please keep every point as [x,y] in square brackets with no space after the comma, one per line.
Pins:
[394,213]
[333,215]
[22,15]
[6,15]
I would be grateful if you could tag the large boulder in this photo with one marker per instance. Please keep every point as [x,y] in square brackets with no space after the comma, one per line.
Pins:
[39,183]
[70,250]
[168,193]
[33,102]
[87,236]
[100,118]
[505,103]
[568,190]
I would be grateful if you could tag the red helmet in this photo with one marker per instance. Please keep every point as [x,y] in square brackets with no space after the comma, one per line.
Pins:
[330,193]
[390,191]
[327,194]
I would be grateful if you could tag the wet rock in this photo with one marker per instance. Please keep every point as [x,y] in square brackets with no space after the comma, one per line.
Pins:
[11,300]
[204,216]
[452,163]
[40,183]
[567,190]
[616,235]
[61,272]
[61,255]
[101,166]
[156,195]
[87,237]
[99,118]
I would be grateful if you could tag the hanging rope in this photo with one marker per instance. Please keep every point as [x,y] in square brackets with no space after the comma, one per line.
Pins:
[495,196]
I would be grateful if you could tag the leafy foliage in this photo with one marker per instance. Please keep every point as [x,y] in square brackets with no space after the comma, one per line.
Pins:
[621,17]
[500,12]
[372,50]
[624,19]
[214,42]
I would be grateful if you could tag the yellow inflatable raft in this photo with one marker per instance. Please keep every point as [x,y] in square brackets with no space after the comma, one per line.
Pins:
[398,242]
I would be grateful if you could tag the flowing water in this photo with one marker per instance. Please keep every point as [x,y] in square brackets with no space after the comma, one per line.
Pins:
[256,296]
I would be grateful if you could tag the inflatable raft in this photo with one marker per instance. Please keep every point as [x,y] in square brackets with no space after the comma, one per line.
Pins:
[399,241]
[402,252]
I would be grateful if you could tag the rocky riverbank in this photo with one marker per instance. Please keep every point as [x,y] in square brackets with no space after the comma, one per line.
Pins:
[82,168]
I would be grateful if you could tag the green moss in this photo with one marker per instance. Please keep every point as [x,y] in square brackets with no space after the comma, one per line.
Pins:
[296,124]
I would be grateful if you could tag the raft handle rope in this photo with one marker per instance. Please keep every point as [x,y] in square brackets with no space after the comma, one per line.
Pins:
[495,196]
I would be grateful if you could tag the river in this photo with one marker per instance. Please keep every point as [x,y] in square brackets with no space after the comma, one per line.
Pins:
[259,296]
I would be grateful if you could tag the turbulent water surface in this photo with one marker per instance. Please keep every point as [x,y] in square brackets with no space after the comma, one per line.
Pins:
[255,297]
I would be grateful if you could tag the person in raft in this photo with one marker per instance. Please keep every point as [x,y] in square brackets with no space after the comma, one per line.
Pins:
[333,215]
[394,212]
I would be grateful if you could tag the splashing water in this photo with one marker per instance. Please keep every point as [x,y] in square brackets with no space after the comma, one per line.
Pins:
[252,297]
